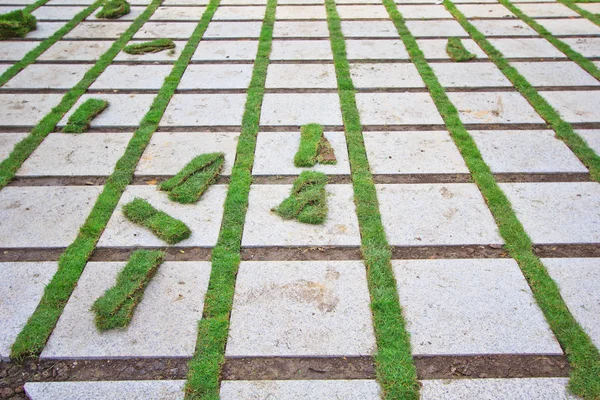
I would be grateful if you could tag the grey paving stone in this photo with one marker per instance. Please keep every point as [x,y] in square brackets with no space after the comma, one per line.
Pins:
[417,152]
[591,136]
[244,2]
[563,212]
[203,218]
[123,109]
[301,12]
[164,324]
[591,7]
[299,2]
[397,109]
[48,76]
[362,11]
[218,29]
[44,30]
[56,13]
[88,154]
[188,13]
[106,390]
[239,13]
[565,27]
[485,11]
[66,2]
[222,50]
[547,10]
[503,28]
[76,51]
[424,11]
[166,55]
[98,30]
[204,110]
[301,50]
[388,75]
[526,48]
[381,49]
[4,67]
[448,212]
[133,14]
[28,214]
[171,30]
[435,49]
[526,152]
[15,51]
[471,306]
[186,2]
[421,29]
[286,29]
[313,76]
[352,29]
[355,389]
[507,389]
[169,152]
[21,289]
[275,153]
[555,73]
[588,47]
[300,109]
[132,77]
[8,141]
[26,109]
[301,308]
[470,74]
[216,76]
[575,106]
[265,228]
[357,1]
[494,108]
[578,280]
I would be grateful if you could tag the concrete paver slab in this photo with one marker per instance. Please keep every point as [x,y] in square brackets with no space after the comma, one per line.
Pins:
[588,47]
[76,51]
[388,75]
[362,12]
[470,74]
[51,13]
[301,50]
[48,76]
[106,390]
[8,141]
[15,51]
[225,13]
[477,11]
[556,73]
[301,12]
[397,109]
[216,76]
[592,137]
[219,29]
[44,30]
[360,29]
[204,110]
[355,389]
[300,29]
[566,27]
[293,76]
[547,10]
[132,77]
[381,49]
[170,30]
[98,30]
[503,28]
[188,13]
[424,11]
[421,29]
[435,49]
[300,109]
[225,50]
[574,106]
[494,108]
[26,109]
[123,109]
[526,48]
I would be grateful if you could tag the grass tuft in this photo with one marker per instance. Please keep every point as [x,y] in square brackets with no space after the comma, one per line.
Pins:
[80,120]
[16,23]
[457,51]
[314,147]
[114,9]
[153,46]
[308,201]
[167,228]
[116,306]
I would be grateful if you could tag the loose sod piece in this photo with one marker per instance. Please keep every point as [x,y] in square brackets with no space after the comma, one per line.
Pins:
[164,226]
[80,120]
[457,51]
[314,147]
[114,9]
[308,201]
[16,24]
[193,180]
[153,46]
[115,308]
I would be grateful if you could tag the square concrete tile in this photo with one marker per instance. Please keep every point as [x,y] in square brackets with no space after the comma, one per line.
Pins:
[169,152]
[563,212]
[265,228]
[470,74]
[56,13]
[188,13]
[76,51]
[301,12]
[435,49]
[436,214]
[578,280]
[494,108]
[424,11]
[186,3]
[15,51]
[133,14]
[355,389]
[417,152]
[297,2]
[361,29]
[221,30]
[123,109]
[171,55]
[591,136]
[98,30]
[275,153]
[132,77]
[566,27]
[421,29]
[170,30]
[203,218]
[88,154]
[400,75]
[102,390]
[44,30]
[301,308]
[216,76]
[28,214]
[301,50]
[526,48]
[26,109]
[301,29]
[204,110]
[225,50]
[8,141]
[293,76]
[588,47]
[48,76]
[21,289]
[164,324]
[362,12]
[477,11]
[471,306]
[397,109]
[575,106]
[547,10]
[526,152]
[4,67]
[239,13]
[503,28]
[300,109]
[591,7]
[555,73]
[381,49]
[244,2]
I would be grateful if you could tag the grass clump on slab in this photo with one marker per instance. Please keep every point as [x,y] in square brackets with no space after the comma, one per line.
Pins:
[457,51]
[80,120]
[153,46]
[308,201]
[314,147]
[16,23]
[164,226]
[114,9]
[193,180]
[115,308]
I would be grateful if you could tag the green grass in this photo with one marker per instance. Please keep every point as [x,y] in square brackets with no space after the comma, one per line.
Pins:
[308,200]
[115,308]
[16,24]
[80,120]
[32,338]
[192,181]
[457,51]
[314,147]
[153,46]
[167,228]
[114,9]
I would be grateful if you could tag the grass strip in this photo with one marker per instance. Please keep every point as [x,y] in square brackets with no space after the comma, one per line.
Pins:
[115,308]
[192,181]
[308,201]
[153,46]
[314,147]
[167,228]
[213,328]
[457,51]
[114,9]
[583,356]
[16,24]
[80,120]
[395,370]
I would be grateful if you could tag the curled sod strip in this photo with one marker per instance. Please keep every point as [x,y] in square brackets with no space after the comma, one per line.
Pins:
[308,201]
[314,147]
[80,120]
[193,180]
[16,23]
[457,51]
[153,46]
[114,9]
[115,308]
[167,228]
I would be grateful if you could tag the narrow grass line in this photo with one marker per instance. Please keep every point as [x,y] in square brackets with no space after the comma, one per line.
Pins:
[583,356]
[595,18]
[33,337]
[396,372]
[213,328]
[34,6]
[32,55]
